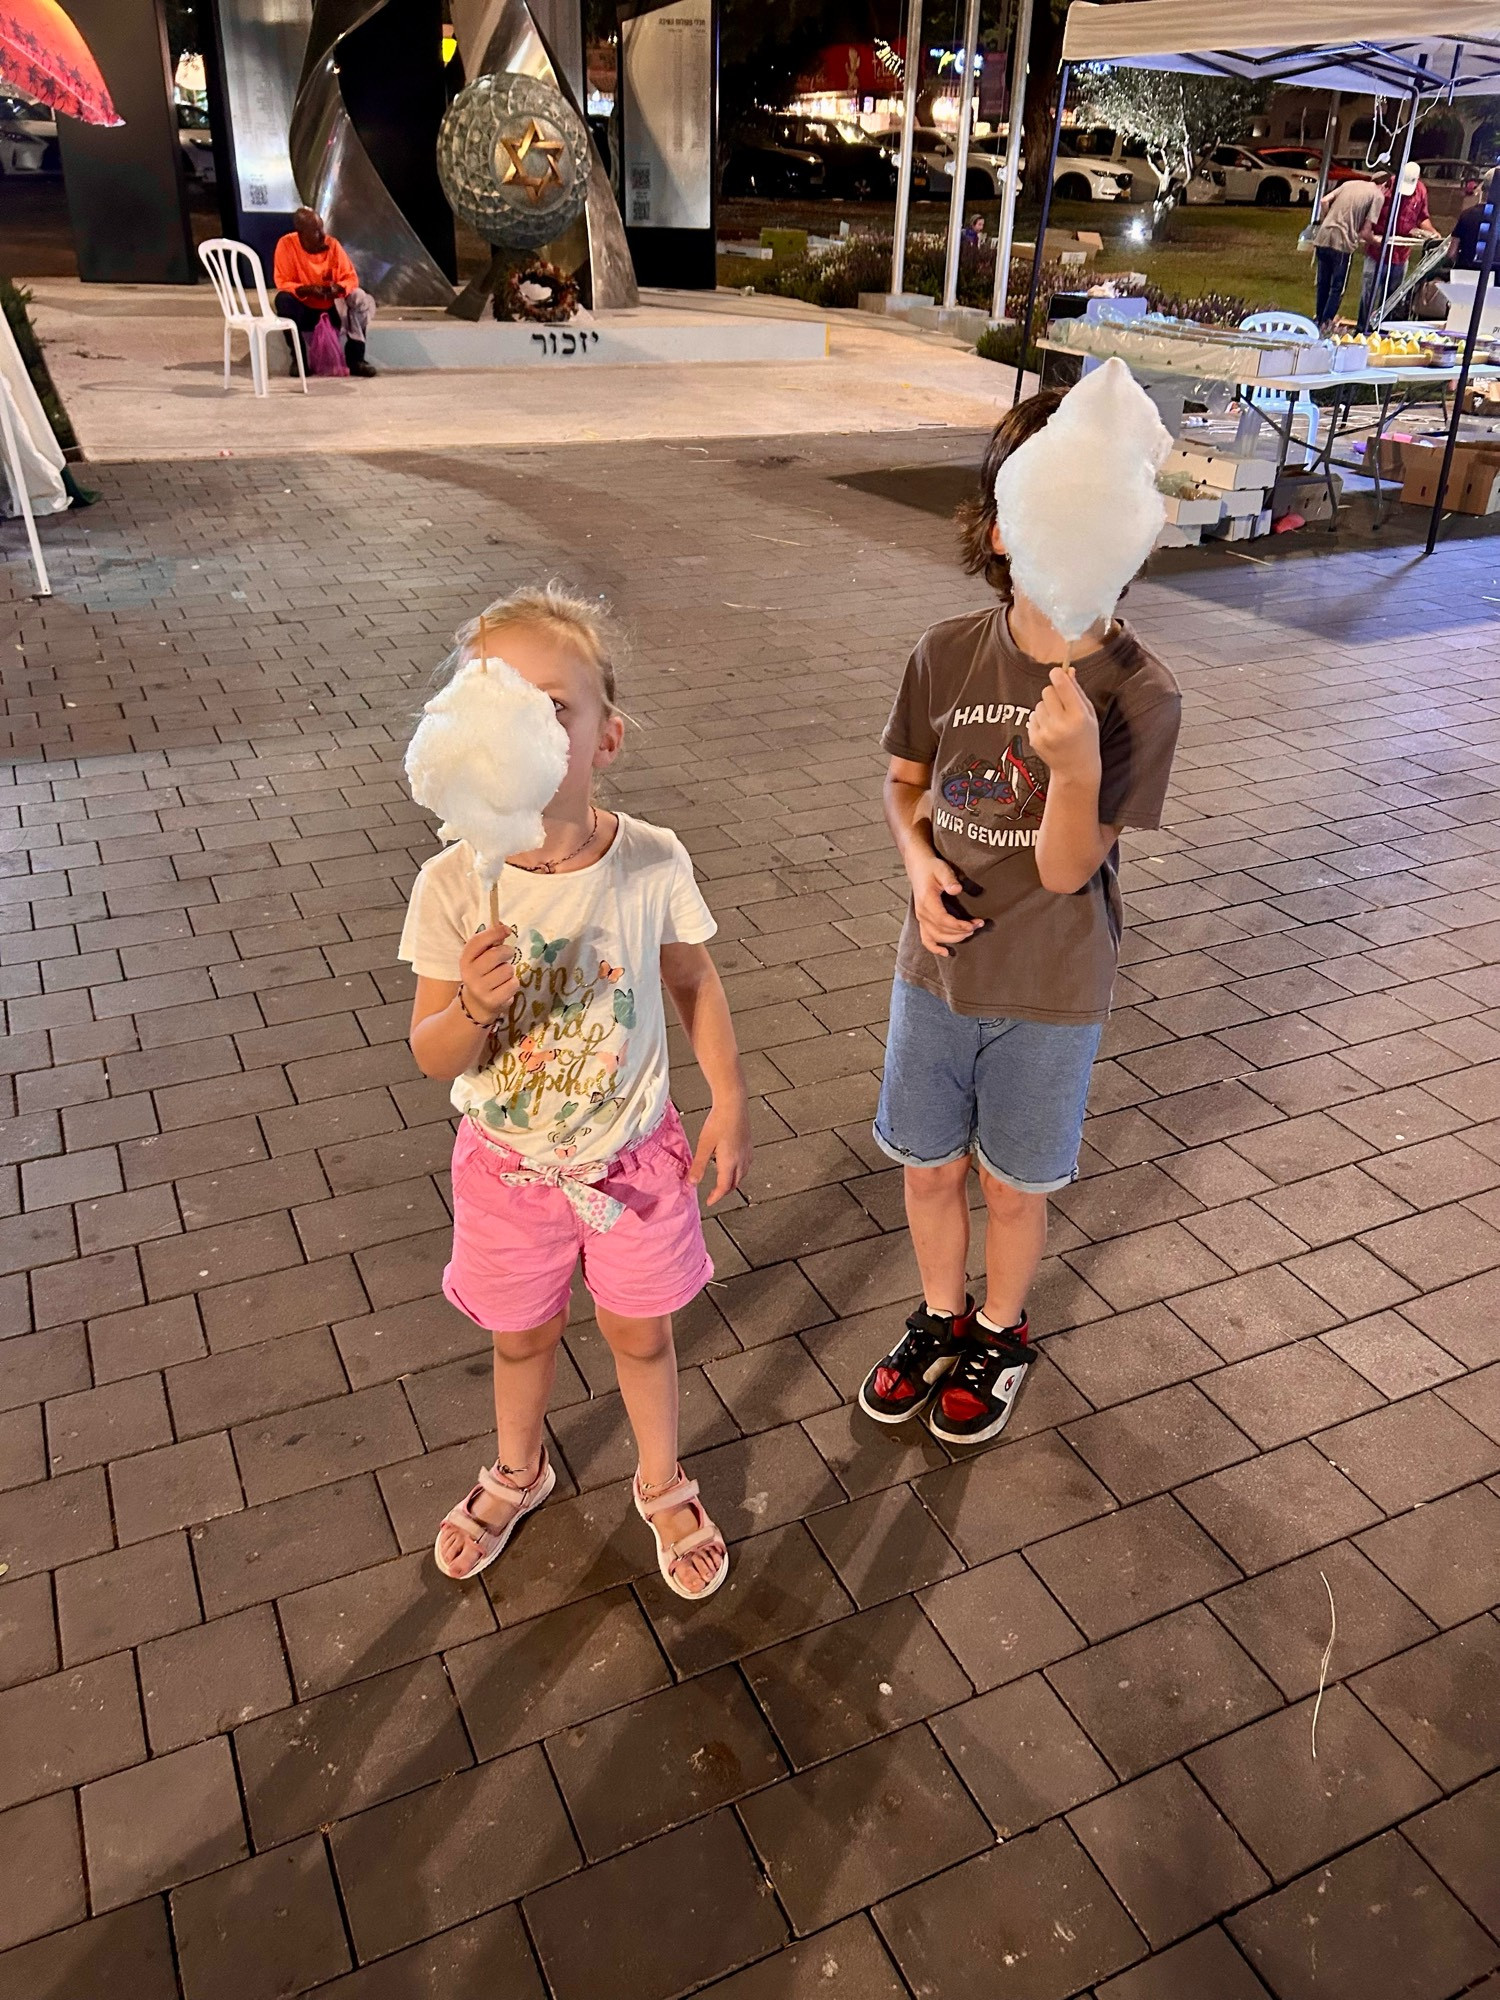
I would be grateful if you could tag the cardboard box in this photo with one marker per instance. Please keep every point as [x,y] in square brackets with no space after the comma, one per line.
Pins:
[1174,537]
[1301,493]
[1473,481]
[1242,500]
[1194,513]
[1221,470]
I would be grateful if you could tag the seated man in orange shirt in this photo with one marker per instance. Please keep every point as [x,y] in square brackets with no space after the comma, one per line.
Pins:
[313,276]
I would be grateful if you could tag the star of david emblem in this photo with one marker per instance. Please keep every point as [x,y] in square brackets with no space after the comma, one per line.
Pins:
[537,148]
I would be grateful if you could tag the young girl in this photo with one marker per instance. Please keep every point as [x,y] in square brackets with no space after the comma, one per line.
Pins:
[553,1029]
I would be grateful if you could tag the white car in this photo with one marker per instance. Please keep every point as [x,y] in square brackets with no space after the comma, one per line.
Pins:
[1081,177]
[1095,157]
[985,176]
[1245,176]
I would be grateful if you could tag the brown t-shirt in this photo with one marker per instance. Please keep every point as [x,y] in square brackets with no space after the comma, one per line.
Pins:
[962,708]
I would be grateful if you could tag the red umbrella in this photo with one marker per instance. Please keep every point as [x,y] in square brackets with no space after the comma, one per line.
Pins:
[44,57]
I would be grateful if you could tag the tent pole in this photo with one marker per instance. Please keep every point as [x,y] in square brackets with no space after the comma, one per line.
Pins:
[1486,268]
[1326,165]
[1021,33]
[1041,234]
[908,144]
[958,200]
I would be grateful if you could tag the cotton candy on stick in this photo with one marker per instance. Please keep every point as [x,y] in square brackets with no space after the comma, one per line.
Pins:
[1077,505]
[487,756]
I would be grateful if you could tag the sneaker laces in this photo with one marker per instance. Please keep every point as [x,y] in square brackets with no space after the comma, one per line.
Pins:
[908,1359]
[969,1390]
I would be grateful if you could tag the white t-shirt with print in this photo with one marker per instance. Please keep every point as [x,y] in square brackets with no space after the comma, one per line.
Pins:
[580,1071]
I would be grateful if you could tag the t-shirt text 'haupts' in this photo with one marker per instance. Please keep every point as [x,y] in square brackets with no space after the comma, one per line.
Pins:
[962,708]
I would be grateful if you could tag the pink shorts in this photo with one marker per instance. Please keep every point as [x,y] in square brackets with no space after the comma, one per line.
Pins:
[515,1248]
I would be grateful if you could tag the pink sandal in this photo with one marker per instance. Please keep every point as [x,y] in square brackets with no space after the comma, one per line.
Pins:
[490,1541]
[683,1493]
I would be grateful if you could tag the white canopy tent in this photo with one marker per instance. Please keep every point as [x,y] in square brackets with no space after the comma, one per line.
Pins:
[1426,51]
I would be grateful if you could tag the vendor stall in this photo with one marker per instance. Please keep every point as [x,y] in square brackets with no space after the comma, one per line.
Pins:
[1424,51]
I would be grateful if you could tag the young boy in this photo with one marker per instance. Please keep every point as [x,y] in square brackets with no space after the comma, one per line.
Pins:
[1011,777]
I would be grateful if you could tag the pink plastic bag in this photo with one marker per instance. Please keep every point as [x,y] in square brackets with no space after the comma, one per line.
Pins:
[325,351]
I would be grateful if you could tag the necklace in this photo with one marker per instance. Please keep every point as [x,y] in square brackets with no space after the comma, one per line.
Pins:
[551,867]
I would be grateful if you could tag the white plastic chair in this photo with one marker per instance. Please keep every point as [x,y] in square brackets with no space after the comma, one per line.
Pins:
[1292,326]
[221,257]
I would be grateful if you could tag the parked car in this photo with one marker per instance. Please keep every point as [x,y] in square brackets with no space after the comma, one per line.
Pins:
[855,167]
[28,138]
[937,151]
[1245,176]
[1092,154]
[1449,186]
[1309,160]
[756,167]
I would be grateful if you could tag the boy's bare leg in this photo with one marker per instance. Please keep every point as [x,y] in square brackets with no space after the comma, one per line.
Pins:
[937,1210]
[1014,1243]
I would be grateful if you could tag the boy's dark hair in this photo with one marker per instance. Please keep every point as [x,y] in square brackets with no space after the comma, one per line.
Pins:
[976,517]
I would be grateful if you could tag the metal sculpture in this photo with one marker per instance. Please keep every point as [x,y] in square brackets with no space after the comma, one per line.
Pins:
[336,176]
[502,37]
[513,158]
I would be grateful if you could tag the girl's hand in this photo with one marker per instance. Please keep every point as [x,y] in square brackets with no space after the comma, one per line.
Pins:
[931,879]
[487,973]
[1064,729]
[725,1139]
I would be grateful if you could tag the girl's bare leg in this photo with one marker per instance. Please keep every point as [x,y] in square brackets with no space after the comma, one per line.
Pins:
[525,1365]
[646,1366]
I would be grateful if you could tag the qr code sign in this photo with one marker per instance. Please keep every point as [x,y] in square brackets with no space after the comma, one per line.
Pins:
[257,195]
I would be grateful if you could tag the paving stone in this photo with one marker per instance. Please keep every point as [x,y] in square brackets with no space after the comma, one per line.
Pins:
[712,1912]
[832,1689]
[1457,1838]
[1277,1506]
[1207,1963]
[261,1928]
[1282,1617]
[1289,1392]
[1410,1452]
[473,1961]
[521,1684]
[642,1769]
[244,1383]
[144,1339]
[1245,1316]
[845,1962]
[1131,1567]
[286,1545]
[1021,1754]
[56,1521]
[1032,1920]
[1002,1500]
[125,1597]
[162,1823]
[379,1347]
[867,1457]
[778,1585]
[883,1545]
[999,1622]
[100,1424]
[41,1864]
[1154,1264]
[43,1364]
[246,1313]
[762,1481]
[1151,1694]
[1157,1441]
[1437,1248]
[23,1451]
[176,1486]
[28,1630]
[340,1752]
[1376,1920]
[1442,1701]
[361,1624]
[1446,1557]
[1293,1811]
[1167,1854]
[1389,1352]
[596,1437]
[863,1826]
[70,1727]
[321,1443]
[405,1867]
[206,1680]
[770,1385]
[128,1948]
[1130,1354]
[1350,1279]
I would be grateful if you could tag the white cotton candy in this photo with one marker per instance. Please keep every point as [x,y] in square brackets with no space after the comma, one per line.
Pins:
[1077,505]
[487,755]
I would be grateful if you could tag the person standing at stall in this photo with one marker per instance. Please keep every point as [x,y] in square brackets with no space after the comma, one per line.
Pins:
[1464,246]
[1347,212]
[1412,219]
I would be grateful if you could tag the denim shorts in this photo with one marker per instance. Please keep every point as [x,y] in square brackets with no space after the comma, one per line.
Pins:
[1011,1092]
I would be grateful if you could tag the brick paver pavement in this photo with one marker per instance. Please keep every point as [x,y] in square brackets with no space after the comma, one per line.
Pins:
[1029,1724]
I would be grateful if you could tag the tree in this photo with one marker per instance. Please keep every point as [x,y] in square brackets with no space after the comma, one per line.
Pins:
[1187,116]
[1043,59]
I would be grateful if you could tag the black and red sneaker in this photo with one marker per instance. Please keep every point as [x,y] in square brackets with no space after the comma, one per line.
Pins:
[984,1387]
[901,1386]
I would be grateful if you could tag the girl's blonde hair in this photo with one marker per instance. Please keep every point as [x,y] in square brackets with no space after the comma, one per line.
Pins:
[584,625]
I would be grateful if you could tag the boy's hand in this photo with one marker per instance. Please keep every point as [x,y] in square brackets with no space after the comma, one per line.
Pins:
[487,972]
[931,879]
[725,1139]
[1064,729]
